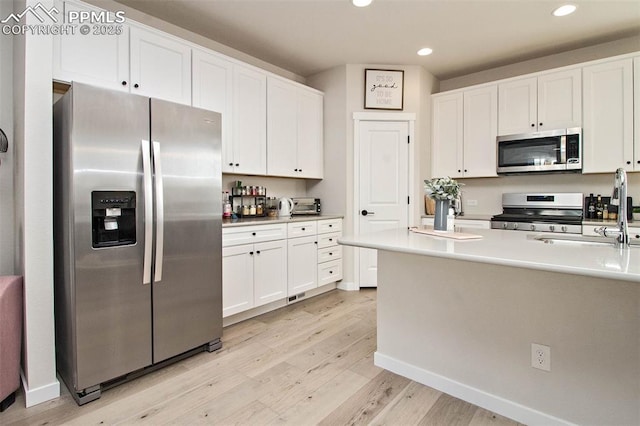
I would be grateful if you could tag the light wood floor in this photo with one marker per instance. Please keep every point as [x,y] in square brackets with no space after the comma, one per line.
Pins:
[305,364]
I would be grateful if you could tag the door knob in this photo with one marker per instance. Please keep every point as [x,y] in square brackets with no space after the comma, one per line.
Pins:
[365,213]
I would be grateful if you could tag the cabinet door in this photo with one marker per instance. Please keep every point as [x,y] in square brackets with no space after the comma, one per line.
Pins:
[636,113]
[270,272]
[213,89]
[447,146]
[560,100]
[480,131]
[100,60]
[608,116]
[160,66]
[282,128]
[310,134]
[237,279]
[517,105]
[249,121]
[302,264]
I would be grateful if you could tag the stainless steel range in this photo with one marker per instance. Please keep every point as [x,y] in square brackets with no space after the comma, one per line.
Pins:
[540,212]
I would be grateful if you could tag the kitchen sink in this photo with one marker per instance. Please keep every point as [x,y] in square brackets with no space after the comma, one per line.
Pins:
[578,240]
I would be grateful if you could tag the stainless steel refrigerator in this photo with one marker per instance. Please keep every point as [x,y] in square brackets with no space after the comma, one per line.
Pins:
[137,235]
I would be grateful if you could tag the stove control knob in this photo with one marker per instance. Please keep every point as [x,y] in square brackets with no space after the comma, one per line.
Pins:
[533,227]
[504,225]
[515,226]
[564,228]
[552,228]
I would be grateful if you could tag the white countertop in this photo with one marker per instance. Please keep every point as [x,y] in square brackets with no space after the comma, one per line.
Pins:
[511,248]
[248,221]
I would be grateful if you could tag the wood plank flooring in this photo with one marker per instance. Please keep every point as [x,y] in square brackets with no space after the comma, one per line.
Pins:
[310,363]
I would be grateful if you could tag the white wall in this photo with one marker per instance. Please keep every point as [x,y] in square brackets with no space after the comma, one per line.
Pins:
[7,234]
[276,187]
[488,192]
[344,94]
[585,54]
[34,194]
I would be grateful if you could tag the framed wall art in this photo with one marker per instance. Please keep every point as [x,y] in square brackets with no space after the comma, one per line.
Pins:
[383,89]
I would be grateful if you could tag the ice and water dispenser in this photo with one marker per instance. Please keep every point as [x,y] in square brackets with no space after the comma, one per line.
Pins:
[113,218]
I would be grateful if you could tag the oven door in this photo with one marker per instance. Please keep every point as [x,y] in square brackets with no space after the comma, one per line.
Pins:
[535,152]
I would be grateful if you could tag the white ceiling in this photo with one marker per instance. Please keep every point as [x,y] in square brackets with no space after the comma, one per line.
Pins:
[308,36]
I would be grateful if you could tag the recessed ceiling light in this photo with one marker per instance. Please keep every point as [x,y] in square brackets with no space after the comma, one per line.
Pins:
[565,10]
[425,51]
[361,3]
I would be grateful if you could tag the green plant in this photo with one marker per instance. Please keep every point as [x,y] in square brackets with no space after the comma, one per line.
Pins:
[635,209]
[442,188]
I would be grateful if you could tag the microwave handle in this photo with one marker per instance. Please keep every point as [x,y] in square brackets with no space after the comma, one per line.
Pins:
[563,149]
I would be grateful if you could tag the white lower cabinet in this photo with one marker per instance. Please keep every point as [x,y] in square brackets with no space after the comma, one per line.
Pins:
[271,262]
[303,264]
[329,252]
[253,275]
[237,279]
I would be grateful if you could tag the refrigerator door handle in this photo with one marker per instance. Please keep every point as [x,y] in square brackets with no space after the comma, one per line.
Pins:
[157,167]
[148,211]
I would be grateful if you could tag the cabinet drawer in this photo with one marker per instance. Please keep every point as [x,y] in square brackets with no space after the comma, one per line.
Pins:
[328,240]
[329,253]
[329,272]
[253,234]
[301,229]
[331,225]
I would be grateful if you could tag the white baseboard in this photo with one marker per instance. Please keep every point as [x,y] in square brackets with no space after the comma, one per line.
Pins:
[40,394]
[499,405]
[348,286]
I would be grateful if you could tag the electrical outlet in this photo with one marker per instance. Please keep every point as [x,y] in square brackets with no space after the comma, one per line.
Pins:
[541,357]
[472,203]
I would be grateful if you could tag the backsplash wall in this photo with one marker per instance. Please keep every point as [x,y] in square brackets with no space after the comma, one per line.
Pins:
[488,191]
[276,187]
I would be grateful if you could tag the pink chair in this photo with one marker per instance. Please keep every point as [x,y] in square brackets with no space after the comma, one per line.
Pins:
[10,338]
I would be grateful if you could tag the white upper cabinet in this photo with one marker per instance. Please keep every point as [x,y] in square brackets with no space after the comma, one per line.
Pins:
[160,66]
[517,106]
[464,133]
[547,102]
[310,134]
[249,115]
[480,131]
[636,113]
[447,144]
[608,117]
[294,130]
[212,78]
[97,59]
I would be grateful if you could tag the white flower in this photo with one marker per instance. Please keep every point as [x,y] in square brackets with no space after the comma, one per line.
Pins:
[442,188]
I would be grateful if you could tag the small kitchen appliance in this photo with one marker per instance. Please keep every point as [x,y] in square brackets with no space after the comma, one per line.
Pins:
[285,205]
[540,212]
[306,206]
[550,151]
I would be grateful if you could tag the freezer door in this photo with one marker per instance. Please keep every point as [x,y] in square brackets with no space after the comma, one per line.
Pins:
[187,282]
[111,312]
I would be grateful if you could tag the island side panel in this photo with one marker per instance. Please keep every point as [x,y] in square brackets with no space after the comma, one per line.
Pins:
[449,322]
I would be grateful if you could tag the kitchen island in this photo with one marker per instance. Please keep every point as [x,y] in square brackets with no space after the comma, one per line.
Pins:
[461,316]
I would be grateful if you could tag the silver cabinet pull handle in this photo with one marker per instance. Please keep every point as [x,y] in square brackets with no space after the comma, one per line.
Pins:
[157,168]
[148,210]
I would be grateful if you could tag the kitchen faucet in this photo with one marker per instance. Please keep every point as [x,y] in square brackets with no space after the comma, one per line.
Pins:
[619,198]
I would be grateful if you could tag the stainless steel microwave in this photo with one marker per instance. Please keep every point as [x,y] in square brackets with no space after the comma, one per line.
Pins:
[306,206]
[542,152]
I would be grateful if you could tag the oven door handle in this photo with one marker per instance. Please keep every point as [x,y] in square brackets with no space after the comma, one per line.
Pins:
[563,149]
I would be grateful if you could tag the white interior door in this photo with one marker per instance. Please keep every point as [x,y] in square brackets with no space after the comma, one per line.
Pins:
[384,186]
